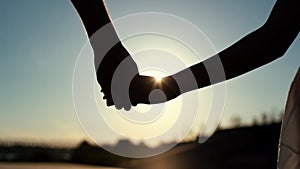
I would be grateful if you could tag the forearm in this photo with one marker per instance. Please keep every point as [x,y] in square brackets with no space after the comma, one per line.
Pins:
[260,47]
[266,44]
[99,28]
[93,14]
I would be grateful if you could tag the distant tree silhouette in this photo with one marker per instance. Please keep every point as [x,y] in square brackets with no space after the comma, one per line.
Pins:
[264,119]
[255,122]
[236,122]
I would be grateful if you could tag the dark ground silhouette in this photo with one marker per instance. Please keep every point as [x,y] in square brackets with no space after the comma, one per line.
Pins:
[240,148]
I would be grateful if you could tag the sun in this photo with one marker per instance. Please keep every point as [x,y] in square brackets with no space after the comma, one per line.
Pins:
[158,78]
[158,75]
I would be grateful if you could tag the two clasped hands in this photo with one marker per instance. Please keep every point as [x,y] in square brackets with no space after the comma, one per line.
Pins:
[262,46]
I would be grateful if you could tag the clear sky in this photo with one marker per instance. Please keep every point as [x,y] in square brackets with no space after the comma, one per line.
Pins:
[40,41]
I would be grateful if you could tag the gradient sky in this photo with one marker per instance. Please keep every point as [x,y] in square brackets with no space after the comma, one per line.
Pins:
[40,41]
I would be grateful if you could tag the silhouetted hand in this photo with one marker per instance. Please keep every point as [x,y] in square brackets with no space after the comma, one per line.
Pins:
[114,59]
[122,85]
[149,90]
[258,48]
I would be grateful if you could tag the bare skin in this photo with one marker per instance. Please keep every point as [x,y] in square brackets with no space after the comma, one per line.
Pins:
[264,45]
[94,16]
[258,48]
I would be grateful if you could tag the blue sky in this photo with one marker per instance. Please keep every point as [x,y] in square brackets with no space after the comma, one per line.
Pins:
[40,41]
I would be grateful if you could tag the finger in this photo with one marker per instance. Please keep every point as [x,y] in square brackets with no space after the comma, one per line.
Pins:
[118,106]
[127,107]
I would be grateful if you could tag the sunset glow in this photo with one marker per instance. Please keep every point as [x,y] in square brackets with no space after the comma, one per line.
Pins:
[158,79]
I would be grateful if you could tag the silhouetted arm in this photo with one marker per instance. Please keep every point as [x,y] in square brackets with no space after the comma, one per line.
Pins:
[93,14]
[260,47]
[102,36]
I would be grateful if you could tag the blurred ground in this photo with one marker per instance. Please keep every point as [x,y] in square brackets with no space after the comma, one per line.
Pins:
[48,166]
